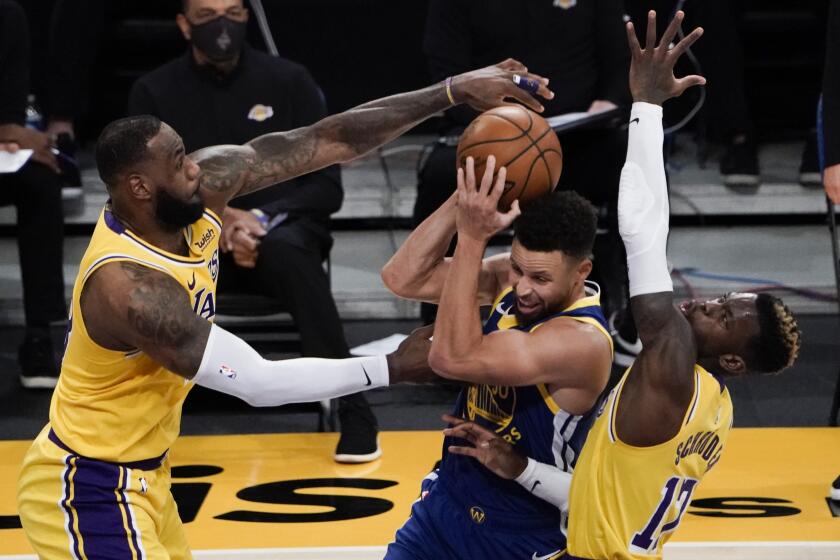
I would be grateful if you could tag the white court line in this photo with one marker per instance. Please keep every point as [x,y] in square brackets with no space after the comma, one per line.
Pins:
[785,550]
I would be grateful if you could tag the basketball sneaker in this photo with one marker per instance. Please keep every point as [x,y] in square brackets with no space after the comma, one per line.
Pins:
[739,165]
[809,168]
[38,369]
[359,440]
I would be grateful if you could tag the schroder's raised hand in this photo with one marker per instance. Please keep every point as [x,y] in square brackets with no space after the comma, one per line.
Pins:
[652,77]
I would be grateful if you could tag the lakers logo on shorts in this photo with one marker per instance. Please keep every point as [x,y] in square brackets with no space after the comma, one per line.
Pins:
[477,515]
[493,403]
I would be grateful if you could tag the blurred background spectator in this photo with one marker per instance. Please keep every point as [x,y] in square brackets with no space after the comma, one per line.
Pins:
[831,105]
[222,91]
[35,191]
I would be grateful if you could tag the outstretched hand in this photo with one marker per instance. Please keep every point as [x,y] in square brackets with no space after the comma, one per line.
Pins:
[477,215]
[652,77]
[487,448]
[493,86]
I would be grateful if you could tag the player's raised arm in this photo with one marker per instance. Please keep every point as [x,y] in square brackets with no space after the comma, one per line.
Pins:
[228,171]
[663,371]
[418,269]
[127,306]
[461,351]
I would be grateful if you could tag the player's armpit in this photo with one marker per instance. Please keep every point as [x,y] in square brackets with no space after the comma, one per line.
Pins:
[493,278]
[667,340]
[126,305]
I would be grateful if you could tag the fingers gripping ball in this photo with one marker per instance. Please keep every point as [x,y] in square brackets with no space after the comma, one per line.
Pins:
[523,142]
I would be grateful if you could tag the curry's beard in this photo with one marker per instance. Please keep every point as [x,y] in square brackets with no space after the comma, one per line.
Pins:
[174,214]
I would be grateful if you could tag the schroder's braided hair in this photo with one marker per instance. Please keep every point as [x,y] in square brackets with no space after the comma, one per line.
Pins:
[777,345]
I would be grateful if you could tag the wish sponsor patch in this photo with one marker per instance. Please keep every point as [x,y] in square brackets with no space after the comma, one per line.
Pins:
[260,112]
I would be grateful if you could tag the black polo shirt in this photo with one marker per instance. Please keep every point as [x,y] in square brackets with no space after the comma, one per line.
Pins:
[580,45]
[263,94]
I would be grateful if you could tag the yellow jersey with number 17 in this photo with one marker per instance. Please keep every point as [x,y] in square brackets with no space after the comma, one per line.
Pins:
[627,501]
[124,406]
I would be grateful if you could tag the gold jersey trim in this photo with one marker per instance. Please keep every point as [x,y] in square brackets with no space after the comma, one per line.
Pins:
[688,415]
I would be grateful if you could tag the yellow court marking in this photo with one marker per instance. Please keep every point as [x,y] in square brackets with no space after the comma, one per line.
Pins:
[268,482]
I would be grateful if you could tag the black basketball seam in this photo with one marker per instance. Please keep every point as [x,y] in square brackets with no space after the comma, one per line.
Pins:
[495,140]
[531,145]
[547,168]
[522,130]
[528,177]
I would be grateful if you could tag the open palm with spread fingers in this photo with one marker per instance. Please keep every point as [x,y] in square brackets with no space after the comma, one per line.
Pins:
[652,77]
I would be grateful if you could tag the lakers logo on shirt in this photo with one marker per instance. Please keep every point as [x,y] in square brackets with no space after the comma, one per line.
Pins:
[260,112]
[493,403]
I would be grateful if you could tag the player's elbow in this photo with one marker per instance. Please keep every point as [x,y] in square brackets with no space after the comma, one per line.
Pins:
[393,280]
[445,364]
[396,279]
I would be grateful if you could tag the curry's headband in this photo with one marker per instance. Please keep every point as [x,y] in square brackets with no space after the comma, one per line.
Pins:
[526,83]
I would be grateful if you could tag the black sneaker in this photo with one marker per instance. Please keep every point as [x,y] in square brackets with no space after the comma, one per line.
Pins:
[809,168]
[359,441]
[835,490]
[739,165]
[37,363]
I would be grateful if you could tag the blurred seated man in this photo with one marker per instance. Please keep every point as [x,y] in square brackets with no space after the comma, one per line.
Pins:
[221,91]
[36,193]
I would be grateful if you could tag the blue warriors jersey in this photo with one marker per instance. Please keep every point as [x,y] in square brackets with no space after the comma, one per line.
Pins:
[528,418]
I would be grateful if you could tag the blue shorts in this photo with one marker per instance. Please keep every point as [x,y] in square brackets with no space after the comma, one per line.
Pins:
[442,527]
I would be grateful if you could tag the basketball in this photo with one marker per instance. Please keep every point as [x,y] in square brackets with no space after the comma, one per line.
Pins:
[523,142]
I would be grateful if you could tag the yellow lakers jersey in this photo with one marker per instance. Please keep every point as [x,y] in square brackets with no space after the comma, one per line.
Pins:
[123,406]
[627,501]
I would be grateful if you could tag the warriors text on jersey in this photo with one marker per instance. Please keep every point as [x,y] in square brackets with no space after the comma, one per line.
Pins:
[627,501]
[528,418]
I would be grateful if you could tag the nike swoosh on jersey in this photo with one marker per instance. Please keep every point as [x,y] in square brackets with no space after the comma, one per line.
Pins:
[634,120]
[191,283]
[548,556]
[501,310]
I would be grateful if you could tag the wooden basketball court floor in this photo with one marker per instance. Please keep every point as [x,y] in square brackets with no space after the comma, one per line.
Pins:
[281,496]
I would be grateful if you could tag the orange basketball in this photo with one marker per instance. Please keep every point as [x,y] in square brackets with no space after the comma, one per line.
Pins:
[522,141]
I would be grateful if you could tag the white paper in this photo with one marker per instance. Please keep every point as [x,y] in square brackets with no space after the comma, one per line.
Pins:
[567,118]
[11,162]
[382,346]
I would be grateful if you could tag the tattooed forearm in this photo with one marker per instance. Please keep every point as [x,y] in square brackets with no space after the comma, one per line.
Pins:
[278,157]
[370,125]
[223,169]
[273,158]
[158,310]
